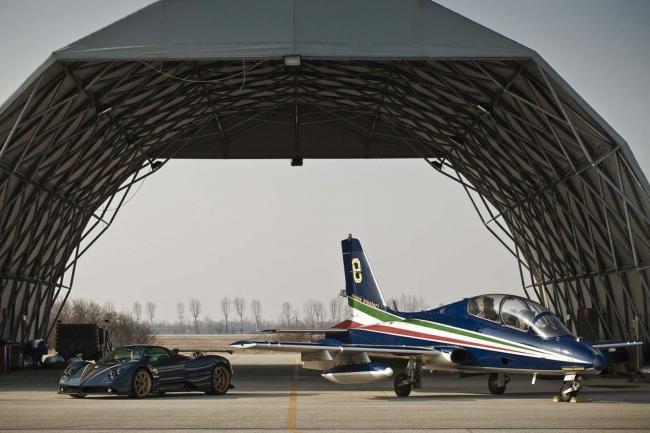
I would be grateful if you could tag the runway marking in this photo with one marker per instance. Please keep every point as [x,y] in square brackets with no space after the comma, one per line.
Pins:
[293,399]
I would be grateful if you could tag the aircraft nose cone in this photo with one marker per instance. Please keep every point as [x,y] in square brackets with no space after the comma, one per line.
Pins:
[599,362]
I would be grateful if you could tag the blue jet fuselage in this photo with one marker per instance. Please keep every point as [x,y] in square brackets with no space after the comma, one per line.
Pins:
[489,344]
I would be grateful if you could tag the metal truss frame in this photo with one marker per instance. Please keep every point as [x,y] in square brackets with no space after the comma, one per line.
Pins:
[546,179]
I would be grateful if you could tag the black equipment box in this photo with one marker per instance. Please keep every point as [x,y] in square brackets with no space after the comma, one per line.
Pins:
[86,339]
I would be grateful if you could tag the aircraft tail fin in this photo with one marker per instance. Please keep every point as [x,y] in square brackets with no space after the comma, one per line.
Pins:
[364,297]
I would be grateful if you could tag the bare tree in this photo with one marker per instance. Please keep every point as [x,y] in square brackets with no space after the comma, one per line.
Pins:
[109,308]
[124,328]
[310,313]
[195,309]
[180,313]
[335,310]
[137,311]
[225,308]
[240,306]
[286,314]
[84,311]
[410,303]
[151,311]
[343,308]
[256,307]
[319,313]
[95,311]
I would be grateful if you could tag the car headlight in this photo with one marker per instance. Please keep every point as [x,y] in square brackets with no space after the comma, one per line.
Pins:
[114,373]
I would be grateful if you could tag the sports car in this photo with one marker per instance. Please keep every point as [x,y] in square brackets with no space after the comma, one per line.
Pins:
[139,371]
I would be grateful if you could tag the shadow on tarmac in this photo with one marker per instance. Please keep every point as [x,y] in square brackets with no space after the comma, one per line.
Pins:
[198,396]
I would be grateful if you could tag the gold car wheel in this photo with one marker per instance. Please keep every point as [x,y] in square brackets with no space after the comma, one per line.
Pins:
[221,379]
[142,384]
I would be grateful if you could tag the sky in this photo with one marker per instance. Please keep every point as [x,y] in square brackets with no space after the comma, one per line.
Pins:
[265,230]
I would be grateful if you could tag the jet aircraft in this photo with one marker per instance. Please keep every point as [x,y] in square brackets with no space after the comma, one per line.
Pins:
[495,334]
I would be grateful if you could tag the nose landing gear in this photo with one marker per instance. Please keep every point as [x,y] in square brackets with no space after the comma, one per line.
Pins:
[571,387]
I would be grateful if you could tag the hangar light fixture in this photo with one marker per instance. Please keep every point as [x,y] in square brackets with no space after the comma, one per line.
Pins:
[292,62]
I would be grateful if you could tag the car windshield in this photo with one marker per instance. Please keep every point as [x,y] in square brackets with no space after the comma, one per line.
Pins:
[124,354]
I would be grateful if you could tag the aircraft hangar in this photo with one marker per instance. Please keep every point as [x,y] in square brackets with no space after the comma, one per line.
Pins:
[301,79]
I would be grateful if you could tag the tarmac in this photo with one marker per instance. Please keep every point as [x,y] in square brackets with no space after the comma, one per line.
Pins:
[273,394]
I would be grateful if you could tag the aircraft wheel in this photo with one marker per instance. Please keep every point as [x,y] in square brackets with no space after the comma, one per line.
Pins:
[402,385]
[567,396]
[493,384]
[220,380]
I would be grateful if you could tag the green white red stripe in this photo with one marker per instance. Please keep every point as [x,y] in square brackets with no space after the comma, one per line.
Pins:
[369,318]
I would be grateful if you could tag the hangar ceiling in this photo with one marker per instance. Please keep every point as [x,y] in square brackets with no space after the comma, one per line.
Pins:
[377,79]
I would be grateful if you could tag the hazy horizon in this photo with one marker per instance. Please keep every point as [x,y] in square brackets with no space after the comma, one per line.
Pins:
[265,230]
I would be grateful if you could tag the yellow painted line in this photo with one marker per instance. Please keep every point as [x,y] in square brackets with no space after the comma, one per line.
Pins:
[293,399]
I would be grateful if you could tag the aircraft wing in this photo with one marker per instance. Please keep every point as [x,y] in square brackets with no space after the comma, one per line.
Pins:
[306,331]
[334,348]
[614,344]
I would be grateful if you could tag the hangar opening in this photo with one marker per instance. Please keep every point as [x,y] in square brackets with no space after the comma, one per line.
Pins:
[301,79]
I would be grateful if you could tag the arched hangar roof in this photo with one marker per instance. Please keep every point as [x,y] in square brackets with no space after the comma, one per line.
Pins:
[376,79]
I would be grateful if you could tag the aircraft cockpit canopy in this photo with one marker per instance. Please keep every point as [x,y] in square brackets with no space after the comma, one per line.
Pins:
[518,313]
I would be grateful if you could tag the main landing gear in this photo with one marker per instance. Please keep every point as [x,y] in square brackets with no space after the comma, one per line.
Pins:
[497,383]
[402,385]
[411,378]
[572,385]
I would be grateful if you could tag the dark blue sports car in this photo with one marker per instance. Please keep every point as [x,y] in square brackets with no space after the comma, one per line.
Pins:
[140,370]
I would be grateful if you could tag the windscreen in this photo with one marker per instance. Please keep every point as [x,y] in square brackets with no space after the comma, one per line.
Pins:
[548,325]
[124,354]
[515,313]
